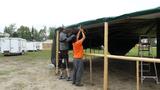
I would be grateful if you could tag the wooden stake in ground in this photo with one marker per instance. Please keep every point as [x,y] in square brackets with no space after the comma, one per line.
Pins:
[90,63]
[105,81]
[57,50]
[137,74]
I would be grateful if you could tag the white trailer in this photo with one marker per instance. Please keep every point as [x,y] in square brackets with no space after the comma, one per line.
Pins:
[0,46]
[31,46]
[39,45]
[13,46]
[24,45]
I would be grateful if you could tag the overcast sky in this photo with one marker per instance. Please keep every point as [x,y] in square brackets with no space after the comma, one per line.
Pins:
[39,13]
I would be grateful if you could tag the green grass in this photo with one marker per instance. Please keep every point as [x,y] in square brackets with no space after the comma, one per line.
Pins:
[4,72]
[45,55]
[134,52]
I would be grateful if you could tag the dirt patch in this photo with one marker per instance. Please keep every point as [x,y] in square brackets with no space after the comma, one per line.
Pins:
[35,75]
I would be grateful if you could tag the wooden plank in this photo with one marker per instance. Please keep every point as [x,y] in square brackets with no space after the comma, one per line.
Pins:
[91,78]
[105,81]
[57,50]
[94,54]
[127,58]
[137,75]
[134,58]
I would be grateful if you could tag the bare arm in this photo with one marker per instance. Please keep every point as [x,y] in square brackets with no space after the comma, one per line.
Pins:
[78,34]
[83,35]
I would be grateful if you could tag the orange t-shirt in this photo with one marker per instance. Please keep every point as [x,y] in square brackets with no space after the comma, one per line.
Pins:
[78,49]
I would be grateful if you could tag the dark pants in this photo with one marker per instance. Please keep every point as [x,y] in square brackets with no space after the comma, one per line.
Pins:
[78,68]
[63,59]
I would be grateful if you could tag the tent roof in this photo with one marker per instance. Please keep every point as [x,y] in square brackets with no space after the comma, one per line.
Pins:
[124,30]
[145,14]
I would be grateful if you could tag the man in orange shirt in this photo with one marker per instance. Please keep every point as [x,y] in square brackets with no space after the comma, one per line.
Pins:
[78,66]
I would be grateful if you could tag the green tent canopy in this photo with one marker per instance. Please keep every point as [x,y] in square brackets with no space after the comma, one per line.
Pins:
[124,30]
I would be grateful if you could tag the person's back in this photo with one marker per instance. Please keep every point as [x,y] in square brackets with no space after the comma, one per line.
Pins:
[63,43]
[78,49]
[63,55]
[78,66]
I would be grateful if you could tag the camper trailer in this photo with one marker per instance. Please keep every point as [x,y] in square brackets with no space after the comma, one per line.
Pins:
[24,45]
[0,46]
[31,46]
[39,45]
[13,46]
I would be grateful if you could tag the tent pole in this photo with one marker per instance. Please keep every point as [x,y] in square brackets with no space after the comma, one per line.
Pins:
[105,81]
[137,75]
[90,62]
[57,50]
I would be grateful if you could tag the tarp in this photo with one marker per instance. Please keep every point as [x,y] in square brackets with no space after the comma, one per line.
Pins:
[124,30]
[53,51]
[145,14]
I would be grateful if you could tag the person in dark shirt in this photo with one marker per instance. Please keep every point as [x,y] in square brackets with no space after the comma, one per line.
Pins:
[63,53]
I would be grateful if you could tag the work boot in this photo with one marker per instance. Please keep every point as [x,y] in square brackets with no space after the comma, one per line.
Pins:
[79,84]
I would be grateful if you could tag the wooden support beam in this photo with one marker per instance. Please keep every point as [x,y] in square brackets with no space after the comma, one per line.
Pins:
[137,75]
[90,62]
[105,81]
[57,50]
[126,58]
[134,58]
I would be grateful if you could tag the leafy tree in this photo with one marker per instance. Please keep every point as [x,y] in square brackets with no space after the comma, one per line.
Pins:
[24,32]
[15,34]
[51,32]
[10,29]
[34,34]
[42,34]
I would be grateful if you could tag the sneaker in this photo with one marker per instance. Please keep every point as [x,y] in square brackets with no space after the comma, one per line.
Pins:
[79,84]
[69,79]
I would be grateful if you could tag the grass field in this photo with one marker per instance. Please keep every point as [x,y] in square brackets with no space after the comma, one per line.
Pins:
[45,55]
[134,52]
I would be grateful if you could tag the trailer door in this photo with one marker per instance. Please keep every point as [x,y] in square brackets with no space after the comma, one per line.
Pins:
[15,46]
[5,45]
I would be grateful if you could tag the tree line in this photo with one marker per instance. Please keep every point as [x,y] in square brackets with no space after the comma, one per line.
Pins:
[29,34]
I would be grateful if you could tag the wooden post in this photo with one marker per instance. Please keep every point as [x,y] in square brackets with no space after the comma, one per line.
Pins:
[57,50]
[105,81]
[90,63]
[137,74]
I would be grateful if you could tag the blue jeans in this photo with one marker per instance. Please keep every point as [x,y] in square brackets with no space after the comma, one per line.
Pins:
[78,69]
